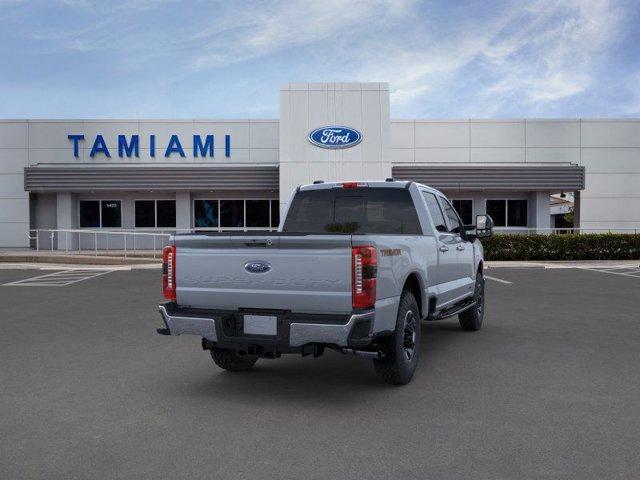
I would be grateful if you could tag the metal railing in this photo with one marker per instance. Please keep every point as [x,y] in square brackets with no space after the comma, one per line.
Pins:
[100,242]
[127,242]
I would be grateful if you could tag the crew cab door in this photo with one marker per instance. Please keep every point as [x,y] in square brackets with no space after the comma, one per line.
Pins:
[448,269]
[464,250]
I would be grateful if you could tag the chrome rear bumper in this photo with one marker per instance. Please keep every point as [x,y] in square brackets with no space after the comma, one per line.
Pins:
[179,325]
[303,333]
[299,333]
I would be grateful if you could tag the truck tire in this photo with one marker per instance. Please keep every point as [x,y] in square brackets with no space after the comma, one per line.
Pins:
[229,360]
[471,320]
[401,351]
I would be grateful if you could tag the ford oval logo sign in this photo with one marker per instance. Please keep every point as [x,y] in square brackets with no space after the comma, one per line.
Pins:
[257,266]
[335,136]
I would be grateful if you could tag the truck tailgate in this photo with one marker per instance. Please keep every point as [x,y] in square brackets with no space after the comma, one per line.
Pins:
[306,273]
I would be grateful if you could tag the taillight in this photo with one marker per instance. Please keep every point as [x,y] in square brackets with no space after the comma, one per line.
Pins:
[169,272]
[364,261]
[349,184]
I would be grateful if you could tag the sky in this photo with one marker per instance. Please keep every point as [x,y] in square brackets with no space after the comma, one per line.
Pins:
[228,59]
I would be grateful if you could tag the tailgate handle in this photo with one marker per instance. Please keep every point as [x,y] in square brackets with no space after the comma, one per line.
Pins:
[261,243]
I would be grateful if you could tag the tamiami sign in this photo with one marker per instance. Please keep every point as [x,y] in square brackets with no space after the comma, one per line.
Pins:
[334,136]
[203,146]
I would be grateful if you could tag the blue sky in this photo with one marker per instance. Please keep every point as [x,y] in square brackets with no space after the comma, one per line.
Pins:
[227,59]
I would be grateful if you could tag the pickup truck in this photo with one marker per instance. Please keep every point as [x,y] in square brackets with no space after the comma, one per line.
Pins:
[354,267]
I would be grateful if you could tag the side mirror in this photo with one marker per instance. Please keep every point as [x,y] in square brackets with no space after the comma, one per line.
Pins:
[484,226]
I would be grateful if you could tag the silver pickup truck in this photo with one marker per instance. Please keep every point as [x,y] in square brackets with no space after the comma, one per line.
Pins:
[354,266]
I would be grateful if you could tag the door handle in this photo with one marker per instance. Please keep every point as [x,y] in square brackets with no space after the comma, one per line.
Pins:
[444,248]
[460,248]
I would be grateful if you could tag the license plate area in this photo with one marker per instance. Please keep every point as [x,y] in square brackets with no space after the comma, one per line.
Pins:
[264,325]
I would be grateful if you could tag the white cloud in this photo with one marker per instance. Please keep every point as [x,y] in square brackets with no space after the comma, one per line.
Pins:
[283,26]
[552,57]
[533,53]
[542,53]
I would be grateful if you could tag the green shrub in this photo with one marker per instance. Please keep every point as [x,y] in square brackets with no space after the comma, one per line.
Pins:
[586,246]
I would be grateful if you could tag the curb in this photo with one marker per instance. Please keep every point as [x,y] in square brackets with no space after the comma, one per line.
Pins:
[560,263]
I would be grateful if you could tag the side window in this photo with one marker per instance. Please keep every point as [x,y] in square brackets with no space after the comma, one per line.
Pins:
[435,211]
[455,225]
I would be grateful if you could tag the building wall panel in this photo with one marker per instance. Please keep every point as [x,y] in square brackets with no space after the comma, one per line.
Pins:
[497,155]
[611,133]
[14,210]
[13,134]
[441,155]
[552,133]
[497,134]
[402,134]
[12,186]
[14,235]
[611,160]
[13,160]
[553,155]
[445,134]
[53,134]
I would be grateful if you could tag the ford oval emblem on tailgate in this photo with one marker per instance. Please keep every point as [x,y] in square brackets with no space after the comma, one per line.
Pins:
[257,266]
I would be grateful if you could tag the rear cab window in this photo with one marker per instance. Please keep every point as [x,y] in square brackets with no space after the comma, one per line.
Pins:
[365,210]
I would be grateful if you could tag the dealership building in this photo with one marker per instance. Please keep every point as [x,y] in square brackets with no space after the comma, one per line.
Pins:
[164,175]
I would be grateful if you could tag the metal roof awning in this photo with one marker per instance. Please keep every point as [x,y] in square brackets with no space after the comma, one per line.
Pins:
[555,178]
[74,178]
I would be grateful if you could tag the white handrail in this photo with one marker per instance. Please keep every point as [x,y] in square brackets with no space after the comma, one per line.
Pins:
[100,232]
[99,239]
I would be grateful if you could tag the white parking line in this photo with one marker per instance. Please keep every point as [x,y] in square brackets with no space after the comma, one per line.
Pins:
[499,280]
[60,278]
[622,270]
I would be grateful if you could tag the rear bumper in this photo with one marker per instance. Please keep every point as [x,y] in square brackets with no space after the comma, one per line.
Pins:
[293,331]
[181,324]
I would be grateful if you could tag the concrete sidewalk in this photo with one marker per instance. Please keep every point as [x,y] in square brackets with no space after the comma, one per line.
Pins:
[88,257]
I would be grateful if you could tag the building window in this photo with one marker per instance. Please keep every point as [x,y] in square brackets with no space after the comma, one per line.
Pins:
[275,213]
[111,213]
[205,213]
[89,214]
[232,213]
[517,213]
[100,213]
[145,213]
[155,213]
[257,213]
[236,214]
[497,210]
[465,210]
[508,213]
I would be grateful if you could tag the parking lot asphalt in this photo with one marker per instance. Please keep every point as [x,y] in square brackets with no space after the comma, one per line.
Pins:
[549,388]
